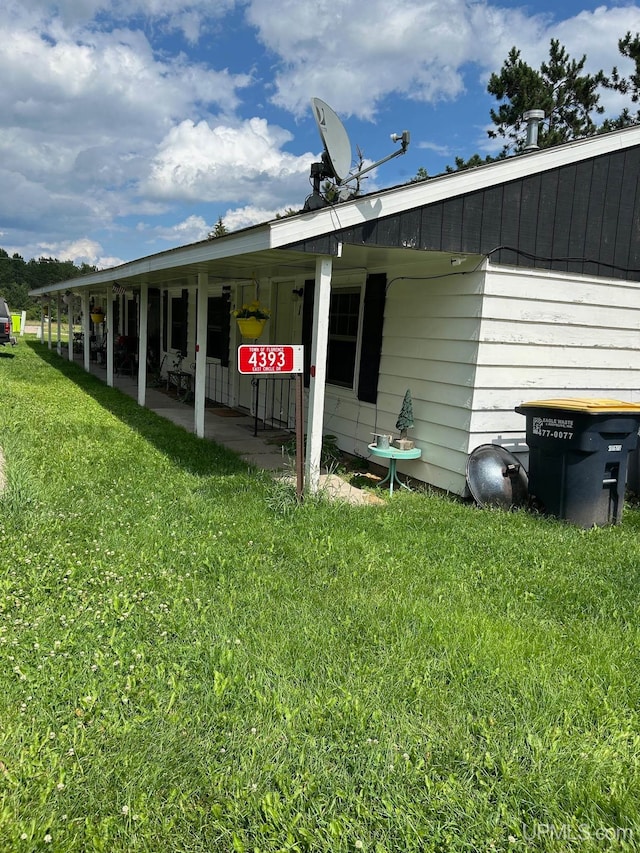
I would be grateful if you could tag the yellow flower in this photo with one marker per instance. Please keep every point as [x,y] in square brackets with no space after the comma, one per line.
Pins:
[252,309]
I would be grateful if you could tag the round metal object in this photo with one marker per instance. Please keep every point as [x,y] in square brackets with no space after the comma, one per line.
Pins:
[334,138]
[496,478]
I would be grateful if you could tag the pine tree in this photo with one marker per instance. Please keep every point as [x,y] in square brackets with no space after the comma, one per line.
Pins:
[568,97]
[629,47]
[219,230]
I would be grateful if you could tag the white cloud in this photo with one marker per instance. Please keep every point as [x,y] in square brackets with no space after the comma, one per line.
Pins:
[443,150]
[189,18]
[227,163]
[81,114]
[422,51]
[353,58]
[244,217]
[108,84]
[189,230]
[81,251]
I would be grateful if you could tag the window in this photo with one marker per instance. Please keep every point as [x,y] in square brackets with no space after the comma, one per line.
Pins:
[344,311]
[344,316]
[218,328]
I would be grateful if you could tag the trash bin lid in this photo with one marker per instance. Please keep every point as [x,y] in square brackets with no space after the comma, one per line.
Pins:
[586,405]
[496,478]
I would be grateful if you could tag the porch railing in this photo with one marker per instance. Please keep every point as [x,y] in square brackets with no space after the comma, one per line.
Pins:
[218,384]
[273,403]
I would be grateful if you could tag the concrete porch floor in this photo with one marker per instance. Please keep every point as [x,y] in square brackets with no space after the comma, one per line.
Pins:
[234,430]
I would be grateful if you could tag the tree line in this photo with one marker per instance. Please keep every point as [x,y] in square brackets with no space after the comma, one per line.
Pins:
[18,277]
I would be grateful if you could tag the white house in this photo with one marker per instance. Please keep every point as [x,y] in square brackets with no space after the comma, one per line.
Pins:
[477,290]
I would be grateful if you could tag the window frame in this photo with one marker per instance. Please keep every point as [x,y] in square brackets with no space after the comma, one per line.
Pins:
[338,290]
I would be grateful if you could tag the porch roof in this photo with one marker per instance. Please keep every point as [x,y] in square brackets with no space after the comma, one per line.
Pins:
[182,265]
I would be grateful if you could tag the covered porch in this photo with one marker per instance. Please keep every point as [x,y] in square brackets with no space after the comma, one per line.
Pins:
[263,445]
[141,302]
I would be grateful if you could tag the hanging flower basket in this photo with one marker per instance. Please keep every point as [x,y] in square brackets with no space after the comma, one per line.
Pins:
[97,317]
[251,327]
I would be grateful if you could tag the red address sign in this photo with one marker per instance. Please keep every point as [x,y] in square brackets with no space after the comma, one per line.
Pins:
[270,358]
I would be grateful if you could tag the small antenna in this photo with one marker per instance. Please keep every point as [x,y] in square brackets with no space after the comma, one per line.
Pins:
[336,157]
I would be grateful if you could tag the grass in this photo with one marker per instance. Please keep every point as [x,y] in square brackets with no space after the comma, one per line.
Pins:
[192,662]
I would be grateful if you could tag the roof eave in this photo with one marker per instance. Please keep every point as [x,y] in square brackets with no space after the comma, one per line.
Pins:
[289,231]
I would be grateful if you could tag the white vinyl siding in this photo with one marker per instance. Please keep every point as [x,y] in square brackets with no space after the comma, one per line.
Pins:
[546,335]
[429,345]
[473,347]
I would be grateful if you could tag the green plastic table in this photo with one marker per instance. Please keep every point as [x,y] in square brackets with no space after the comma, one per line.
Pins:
[393,454]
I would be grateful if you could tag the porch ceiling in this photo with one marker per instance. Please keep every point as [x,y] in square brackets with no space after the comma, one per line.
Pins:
[182,269]
[286,263]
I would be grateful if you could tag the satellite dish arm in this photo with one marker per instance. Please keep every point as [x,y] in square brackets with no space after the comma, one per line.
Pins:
[405,138]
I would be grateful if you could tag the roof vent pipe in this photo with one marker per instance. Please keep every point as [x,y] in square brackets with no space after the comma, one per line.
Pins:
[533,119]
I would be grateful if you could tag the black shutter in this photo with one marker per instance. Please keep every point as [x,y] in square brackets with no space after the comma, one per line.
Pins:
[165,320]
[307,326]
[371,349]
[225,331]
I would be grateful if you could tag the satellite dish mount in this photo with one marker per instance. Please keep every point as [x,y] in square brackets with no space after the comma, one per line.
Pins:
[335,161]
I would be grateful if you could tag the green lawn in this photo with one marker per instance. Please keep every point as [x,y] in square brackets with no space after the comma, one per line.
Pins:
[192,662]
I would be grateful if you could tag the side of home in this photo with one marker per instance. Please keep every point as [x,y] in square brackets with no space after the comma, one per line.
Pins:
[476,290]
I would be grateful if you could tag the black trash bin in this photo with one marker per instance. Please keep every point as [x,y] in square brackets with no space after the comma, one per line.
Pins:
[578,451]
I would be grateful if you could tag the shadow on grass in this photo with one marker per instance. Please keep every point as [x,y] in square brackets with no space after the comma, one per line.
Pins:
[193,454]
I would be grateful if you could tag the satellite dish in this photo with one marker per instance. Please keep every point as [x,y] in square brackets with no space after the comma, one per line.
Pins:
[336,157]
[337,147]
[496,478]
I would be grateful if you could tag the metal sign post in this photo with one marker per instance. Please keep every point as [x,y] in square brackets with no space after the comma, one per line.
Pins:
[280,358]
[299,436]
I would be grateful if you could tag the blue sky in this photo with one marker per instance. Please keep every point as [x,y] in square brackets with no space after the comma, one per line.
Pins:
[129,126]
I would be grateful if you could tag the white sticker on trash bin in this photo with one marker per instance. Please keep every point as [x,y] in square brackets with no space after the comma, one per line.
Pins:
[553,427]
[615,448]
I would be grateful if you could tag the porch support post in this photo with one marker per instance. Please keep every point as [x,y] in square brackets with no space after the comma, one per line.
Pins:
[58,325]
[70,315]
[86,331]
[142,343]
[49,323]
[317,383]
[201,353]
[110,336]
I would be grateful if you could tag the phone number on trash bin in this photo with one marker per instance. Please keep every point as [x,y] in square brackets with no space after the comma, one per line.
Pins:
[553,433]
[553,428]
